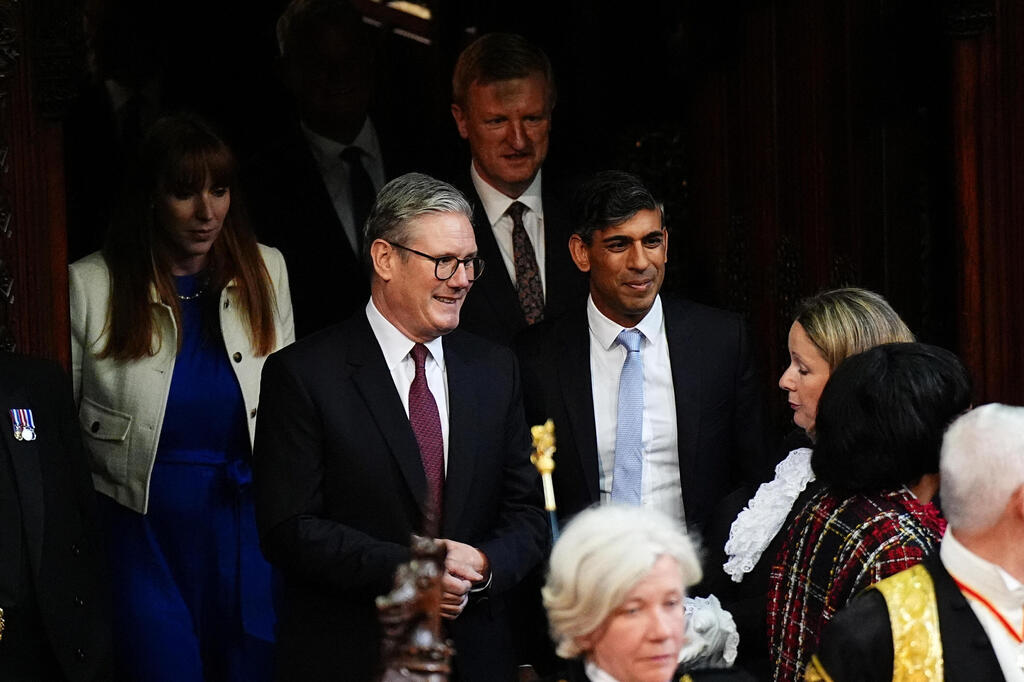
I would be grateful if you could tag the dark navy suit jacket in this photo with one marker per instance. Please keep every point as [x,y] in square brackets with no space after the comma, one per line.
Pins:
[340,487]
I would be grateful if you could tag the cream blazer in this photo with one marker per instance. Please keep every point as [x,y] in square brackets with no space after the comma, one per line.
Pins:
[121,404]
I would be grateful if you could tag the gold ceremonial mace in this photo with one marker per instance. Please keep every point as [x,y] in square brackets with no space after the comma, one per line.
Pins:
[543,458]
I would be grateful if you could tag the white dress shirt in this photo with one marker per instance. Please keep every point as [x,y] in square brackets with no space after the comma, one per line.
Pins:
[335,172]
[595,673]
[495,206]
[1002,590]
[397,348]
[660,487]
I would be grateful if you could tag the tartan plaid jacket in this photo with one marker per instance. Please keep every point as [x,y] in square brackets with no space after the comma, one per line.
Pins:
[837,546]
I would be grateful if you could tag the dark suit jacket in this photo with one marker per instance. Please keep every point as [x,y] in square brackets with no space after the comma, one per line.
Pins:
[718,414]
[62,607]
[857,643]
[492,307]
[340,486]
[291,210]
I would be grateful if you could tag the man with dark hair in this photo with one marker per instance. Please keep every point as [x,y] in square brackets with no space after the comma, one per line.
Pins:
[503,96]
[653,398]
[956,616]
[311,190]
[389,424]
[54,613]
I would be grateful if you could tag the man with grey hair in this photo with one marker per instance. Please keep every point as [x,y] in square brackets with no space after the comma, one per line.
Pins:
[956,617]
[389,424]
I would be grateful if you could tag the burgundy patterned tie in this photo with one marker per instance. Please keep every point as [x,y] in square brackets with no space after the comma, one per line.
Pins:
[426,424]
[531,294]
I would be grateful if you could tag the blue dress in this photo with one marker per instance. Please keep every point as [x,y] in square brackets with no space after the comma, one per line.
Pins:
[192,592]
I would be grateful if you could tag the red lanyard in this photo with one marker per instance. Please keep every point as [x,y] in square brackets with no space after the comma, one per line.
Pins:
[988,605]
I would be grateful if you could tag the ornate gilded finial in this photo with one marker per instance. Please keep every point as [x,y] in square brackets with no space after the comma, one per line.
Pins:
[543,458]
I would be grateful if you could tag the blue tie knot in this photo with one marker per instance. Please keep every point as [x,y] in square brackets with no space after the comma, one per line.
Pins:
[630,339]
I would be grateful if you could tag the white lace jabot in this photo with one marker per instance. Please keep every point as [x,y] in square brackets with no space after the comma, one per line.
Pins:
[760,521]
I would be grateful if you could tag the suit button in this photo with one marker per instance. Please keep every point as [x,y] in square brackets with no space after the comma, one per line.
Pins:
[95,427]
[252,413]
[76,550]
[237,357]
[79,602]
[79,654]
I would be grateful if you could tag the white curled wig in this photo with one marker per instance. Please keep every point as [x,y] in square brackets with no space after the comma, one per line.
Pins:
[601,556]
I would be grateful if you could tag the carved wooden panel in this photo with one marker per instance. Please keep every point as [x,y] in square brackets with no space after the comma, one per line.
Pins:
[36,55]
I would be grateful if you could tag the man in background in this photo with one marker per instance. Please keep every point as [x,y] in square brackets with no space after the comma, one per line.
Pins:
[310,192]
[503,95]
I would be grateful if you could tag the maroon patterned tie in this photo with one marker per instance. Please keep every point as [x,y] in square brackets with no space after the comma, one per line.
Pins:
[426,424]
[531,294]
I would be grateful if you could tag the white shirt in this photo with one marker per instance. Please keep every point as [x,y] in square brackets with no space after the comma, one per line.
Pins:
[495,206]
[397,348]
[1002,590]
[660,486]
[595,673]
[335,172]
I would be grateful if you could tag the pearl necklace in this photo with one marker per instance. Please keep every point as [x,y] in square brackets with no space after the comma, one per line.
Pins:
[193,296]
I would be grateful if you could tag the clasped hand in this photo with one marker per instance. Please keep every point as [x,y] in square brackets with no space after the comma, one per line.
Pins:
[465,566]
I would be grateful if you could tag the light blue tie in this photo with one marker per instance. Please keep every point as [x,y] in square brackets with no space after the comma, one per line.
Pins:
[629,425]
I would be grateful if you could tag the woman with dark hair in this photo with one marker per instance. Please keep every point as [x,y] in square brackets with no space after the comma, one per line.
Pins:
[878,431]
[170,326]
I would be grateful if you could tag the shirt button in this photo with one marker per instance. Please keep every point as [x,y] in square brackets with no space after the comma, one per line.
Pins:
[226,305]
[95,427]
[252,413]
[237,357]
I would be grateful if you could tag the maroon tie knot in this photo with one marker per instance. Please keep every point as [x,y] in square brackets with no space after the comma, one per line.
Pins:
[419,356]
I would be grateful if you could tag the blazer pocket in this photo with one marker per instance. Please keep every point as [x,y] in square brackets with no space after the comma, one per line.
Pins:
[106,434]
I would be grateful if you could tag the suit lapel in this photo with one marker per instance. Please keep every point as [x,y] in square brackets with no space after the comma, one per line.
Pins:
[559,270]
[463,394]
[684,355]
[577,393]
[966,650]
[28,471]
[498,287]
[373,381]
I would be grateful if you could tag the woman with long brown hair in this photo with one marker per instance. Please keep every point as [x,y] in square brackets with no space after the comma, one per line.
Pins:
[171,324]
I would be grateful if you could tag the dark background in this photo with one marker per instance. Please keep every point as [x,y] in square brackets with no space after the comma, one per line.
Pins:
[797,144]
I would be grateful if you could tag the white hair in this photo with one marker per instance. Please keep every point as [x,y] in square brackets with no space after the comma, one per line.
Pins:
[602,555]
[982,464]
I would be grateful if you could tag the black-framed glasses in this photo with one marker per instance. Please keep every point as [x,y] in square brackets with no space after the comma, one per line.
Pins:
[446,266]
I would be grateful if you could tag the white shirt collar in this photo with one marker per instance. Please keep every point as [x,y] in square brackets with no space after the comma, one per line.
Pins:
[495,203]
[396,345]
[606,331]
[595,673]
[328,151]
[1000,588]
